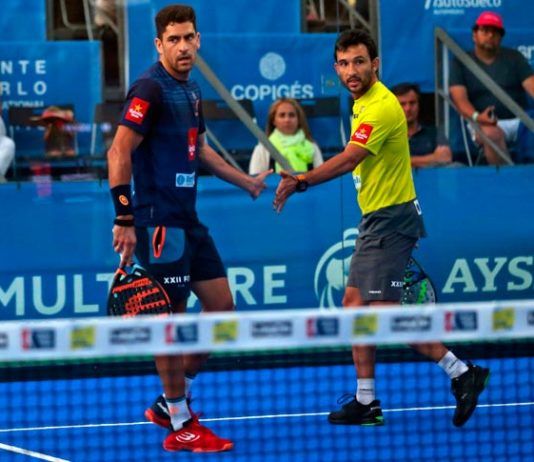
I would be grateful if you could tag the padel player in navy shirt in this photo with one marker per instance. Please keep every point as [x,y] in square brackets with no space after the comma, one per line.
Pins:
[160,142]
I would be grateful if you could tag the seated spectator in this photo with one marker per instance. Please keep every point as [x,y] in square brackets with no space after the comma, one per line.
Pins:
[288,130]
[7,151]
[428,146]
[509,69]
[59,136]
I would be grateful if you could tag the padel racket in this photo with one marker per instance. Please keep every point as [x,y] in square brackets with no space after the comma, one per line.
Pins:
[136,292]
[417,287]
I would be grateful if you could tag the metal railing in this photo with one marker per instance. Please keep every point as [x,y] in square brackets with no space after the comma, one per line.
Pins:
[444,44]
[355,17]
[241,114]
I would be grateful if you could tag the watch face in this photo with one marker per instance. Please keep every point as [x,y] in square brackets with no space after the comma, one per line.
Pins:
[301,186]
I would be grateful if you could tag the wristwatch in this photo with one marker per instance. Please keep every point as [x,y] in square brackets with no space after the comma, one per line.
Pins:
[302,184]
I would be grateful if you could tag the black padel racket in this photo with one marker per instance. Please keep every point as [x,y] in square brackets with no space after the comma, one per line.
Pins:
[417,287]
[136,292]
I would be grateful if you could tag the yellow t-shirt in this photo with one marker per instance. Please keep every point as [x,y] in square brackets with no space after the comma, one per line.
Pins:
[384,177]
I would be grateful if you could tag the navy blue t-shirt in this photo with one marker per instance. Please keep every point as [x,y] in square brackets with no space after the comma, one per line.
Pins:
[168,113]
[425,140]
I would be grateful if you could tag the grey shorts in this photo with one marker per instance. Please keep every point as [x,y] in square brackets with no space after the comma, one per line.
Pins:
[378,264]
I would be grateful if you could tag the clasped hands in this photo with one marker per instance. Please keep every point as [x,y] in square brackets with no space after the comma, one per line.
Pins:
[286,187]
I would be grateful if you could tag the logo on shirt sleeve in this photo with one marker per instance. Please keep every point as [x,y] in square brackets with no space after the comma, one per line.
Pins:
[192,136]
[362,133]
[137,110]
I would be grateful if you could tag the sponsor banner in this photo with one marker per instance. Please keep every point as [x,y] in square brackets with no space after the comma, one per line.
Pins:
[38,338]
[265,70]
[22,21]
[504,319]
[411,323]
[262,330]
[34,74]
[182,333]
[304,257]
[225,332]
[130,335]
[82,337]
[211,19]
[466,321]
[322,327]
[4,340]
[272,329]
[365,325]
[397,52]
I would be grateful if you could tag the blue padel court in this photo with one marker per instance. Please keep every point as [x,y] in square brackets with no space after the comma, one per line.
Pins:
[274,415]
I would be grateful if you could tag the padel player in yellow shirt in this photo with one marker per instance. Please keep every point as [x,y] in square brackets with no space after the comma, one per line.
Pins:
[379,158]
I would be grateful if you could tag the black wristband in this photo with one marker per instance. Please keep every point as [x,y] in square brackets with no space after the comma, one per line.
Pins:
[129,222]
[122,199]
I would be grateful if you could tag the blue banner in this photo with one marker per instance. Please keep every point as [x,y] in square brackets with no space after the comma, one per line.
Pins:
[40,74]
[242,16]
[23,21]
[263,70]
[56,257]
[260,59]
[407,48]
[213,17]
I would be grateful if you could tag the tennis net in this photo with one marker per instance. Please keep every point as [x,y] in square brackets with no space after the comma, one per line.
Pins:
[76,390]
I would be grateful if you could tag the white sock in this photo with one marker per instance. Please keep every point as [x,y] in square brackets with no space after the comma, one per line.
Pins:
[366,391]
[178,411]
[452,366]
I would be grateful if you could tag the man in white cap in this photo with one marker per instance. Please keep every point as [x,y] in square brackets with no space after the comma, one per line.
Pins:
[508,68]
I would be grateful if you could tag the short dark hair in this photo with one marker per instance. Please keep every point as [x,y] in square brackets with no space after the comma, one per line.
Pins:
[174,13]
[405,87]
[355,37]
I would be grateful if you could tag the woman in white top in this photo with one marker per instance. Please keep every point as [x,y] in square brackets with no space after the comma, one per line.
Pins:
[7,151]
[288,130]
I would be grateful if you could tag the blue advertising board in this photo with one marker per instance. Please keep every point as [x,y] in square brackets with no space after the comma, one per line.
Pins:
[23,20]
[56,258]
[213,17]
[263,70]
[259,62]
[40,74]
[407,33]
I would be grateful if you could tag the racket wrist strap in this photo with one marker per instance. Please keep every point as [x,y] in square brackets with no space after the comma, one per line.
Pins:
[122,199]
[128,222]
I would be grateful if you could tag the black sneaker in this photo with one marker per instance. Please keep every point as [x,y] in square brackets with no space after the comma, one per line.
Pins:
[158,413]
[355,413]
[466,388]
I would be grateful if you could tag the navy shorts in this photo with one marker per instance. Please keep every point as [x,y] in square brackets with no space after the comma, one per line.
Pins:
[177,257]
[378,264]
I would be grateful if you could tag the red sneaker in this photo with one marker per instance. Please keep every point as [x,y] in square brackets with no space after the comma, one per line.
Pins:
[195,437]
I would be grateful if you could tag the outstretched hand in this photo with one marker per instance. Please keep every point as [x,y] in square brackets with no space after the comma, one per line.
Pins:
[286,187]
[257,184]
